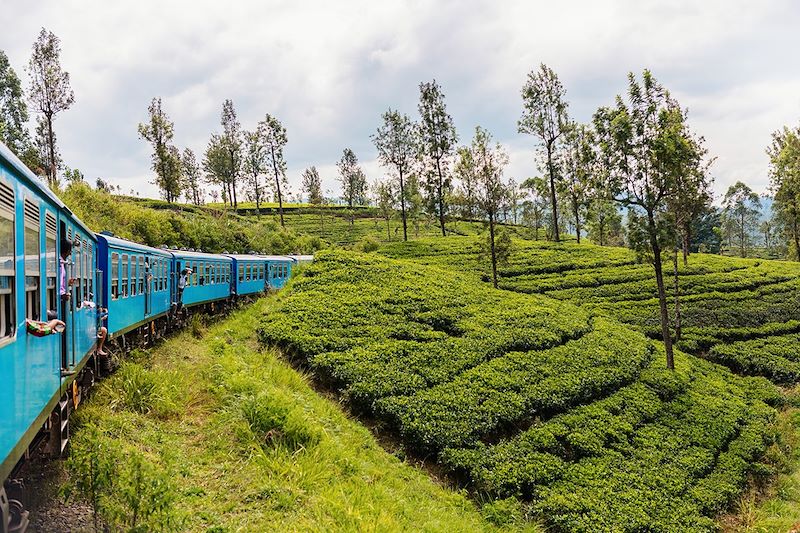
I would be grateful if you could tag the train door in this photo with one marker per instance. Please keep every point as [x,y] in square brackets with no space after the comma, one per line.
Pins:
[148,285]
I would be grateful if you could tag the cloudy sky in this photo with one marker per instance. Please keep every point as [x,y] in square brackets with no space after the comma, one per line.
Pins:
[329,69]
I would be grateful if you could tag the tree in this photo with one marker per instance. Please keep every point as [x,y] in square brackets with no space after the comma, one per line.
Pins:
[41,146]
[13,110]
[437,140]
[274,141]
[545,117]
[604,221]
[535,207]
[395,141]
[513,196]
[158,131]
[352,178]
[255,162]
[191,171]
[217,166]
[489,161]
[232,142]
[50,91]
[743,208]
[578,163]
[416,202]
[312,186]
[638,139]
[784,161]
[385,200]
[73,176]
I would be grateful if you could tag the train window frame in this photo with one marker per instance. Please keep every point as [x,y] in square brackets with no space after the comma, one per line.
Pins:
[114,276]
[241,273]
[8,267]
[134,275]
[51,259]
[141,274]
[86,269]
[124,274]
[32,254]
[91,269]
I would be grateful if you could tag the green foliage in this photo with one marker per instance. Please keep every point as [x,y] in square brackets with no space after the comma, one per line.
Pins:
[529,398]
[145,392]
[92,467]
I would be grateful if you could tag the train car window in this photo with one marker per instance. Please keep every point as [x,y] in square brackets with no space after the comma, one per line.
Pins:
[87,266]
[200,280]
[241,273]
[114,276]
[51,261]
[261,272]
[33,271]
[141,274]
[228,273]
[124,276]
[217,273]
[7,271]
[134,276]
[90,271]
[161,273]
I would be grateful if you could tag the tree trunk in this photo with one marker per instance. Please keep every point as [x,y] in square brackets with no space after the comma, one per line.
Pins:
[662,295]
[494,253]
[440,194]
[51,146]
[685,245]
[552,171]
[741,239]
[403,203]
[576,212]
[388,230]
[677,295]
[258,197]
[277,185]
[795,231]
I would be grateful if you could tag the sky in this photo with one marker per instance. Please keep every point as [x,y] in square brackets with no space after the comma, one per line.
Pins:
[328,70]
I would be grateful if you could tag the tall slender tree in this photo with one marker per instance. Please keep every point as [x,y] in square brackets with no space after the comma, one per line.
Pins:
[397,147]
[638,139]
[352,178]
[159,131]
[13,110]
[274,140]
[217,166]
[312,186]
[385,200]
[437,141]
[255,162]
[191,171]
[579,160]
[545,117]
[784,159]
[50,91]
[490,159]
[742,207]
[232,141]
[464,171]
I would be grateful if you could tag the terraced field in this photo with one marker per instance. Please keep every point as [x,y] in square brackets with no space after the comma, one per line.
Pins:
[524,395]
[744,313]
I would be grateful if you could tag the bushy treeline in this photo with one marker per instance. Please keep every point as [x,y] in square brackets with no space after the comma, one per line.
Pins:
[209,231]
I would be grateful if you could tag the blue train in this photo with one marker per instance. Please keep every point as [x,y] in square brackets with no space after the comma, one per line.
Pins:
[53,266]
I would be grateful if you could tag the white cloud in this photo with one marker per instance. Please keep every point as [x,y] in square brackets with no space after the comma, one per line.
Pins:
[328,69]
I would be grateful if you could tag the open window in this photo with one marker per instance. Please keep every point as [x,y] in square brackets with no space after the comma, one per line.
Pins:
[7,270]
[141,274]
[51,260]
[134,276]
[33,271]
[124,276]
[241,273]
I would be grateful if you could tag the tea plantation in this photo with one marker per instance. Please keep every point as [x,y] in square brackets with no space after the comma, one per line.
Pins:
[528,396]
[744,313]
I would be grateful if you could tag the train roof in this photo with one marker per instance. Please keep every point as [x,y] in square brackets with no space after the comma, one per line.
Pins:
[251,257]
[118,242]
[33,181]
[302,258]
[197,255]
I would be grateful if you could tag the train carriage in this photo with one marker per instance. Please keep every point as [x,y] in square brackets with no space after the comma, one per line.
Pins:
[210,280]
[251,274]
[279,268]
[38,372]
[136,283]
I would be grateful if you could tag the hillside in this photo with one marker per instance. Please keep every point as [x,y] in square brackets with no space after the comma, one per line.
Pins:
[230,438]
[527,396]
[744,313]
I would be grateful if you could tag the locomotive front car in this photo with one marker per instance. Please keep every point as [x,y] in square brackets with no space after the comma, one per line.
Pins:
[38,372]
[210,280]
[136,284]
[251,274]
[279,268]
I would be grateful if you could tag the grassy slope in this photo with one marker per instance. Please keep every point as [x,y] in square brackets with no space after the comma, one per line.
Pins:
[231,477]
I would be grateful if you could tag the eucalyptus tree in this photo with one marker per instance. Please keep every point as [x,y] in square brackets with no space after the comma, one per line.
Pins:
[50,92]
[639,139]
[274,138]
[545,117]
[232,142]
[13,110]
[604,221]
[437,141]
[159,131]
[255,162]
[312,186]
[396,142]
[743,208]
[784,159]
[352,178]
[191,173]
[217,166]
[535,204]
[489,160]
[464,171]
[385,199]
[579,161]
